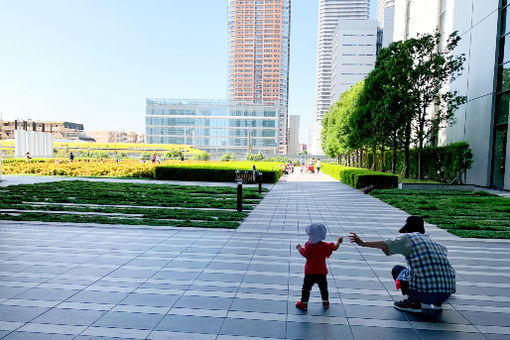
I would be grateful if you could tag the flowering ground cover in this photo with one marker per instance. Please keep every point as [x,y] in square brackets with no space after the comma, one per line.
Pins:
[125,168]
[126,203]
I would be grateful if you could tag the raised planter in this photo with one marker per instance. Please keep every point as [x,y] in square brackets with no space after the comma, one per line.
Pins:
[433,186]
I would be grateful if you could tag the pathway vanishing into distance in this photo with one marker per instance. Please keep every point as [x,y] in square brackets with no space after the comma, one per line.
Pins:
[59,281]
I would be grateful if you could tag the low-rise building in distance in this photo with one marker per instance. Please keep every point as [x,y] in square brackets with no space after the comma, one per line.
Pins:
[112,136]
[59,130]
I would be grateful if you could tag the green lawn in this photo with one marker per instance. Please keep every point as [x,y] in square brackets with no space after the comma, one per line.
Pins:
[466,214]
[126,203]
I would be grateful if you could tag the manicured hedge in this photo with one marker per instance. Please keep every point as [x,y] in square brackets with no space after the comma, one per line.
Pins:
[360,178]
[440,164]
[211,174]
[334,170]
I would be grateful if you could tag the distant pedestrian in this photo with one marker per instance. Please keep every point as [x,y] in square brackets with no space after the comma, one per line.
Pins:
[28,158]
[429,277]
[318,165]
[316,251]
[71,157]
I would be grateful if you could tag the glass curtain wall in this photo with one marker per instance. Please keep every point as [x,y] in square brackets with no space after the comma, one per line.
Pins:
[213,126]
[500,132]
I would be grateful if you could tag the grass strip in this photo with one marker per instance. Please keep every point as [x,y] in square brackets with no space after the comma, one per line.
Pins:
[466,214]
[208,204]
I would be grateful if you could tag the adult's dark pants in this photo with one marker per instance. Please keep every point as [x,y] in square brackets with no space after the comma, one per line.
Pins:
[309,281]
[428,298]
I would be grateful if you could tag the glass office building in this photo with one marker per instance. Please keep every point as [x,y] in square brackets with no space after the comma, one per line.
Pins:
[215,126]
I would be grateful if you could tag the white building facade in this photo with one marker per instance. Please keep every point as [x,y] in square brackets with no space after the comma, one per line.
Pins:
[483,120]
[293,134]
[353,55]
[330,11]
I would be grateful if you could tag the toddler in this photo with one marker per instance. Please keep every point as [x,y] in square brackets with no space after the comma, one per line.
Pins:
[315,251]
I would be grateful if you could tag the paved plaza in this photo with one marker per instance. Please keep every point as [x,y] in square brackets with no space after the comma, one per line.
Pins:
[59,281]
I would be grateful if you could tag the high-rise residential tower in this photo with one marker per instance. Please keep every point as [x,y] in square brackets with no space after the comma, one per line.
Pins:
[259,44]
[330,11]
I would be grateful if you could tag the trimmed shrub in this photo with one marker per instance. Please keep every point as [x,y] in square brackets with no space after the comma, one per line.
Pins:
[202,156]
[211,174]
[334,170]
[228,156]
[255,157]
[360,178]
[442,164]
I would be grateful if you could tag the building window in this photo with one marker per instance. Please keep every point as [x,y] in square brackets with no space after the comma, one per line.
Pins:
[500,129]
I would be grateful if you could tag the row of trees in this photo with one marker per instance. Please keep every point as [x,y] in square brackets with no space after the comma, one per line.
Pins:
[402,102]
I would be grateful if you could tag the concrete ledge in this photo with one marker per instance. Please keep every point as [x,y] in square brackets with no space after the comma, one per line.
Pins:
[432,186]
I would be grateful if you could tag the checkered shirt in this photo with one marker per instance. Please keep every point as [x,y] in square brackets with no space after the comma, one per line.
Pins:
[430,269]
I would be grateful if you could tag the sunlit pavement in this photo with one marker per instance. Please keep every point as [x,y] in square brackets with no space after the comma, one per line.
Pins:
[80,282]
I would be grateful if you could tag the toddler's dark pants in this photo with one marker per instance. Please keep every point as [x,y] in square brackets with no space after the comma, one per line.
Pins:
[310,280]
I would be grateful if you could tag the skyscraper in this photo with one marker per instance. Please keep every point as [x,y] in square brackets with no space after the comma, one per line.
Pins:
[381,6]
[330,11]
[259,43]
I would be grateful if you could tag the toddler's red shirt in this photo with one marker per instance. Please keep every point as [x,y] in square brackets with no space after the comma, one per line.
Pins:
[316,255]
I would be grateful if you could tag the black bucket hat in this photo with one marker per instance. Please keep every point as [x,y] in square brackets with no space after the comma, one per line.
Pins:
[414,224]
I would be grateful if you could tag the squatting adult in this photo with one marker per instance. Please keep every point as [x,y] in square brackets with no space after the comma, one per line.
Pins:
[429,277]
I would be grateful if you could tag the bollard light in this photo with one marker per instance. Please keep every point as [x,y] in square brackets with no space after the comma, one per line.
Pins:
[239,195]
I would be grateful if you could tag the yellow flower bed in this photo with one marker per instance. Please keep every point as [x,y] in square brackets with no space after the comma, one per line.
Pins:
[109,168]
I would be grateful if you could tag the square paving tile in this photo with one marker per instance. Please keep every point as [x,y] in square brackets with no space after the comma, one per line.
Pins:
[78,317]
[128,320]
[254,328]
[19,313]
[439,335]
[204,302]
[306,331]
[46,294]
[38,336]
[191,324]
[488,318]
[98,297]
[374,312]
[155,300]
[256,305]
[382,333]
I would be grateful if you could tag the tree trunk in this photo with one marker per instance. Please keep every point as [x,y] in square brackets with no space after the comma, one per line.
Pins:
[420,176]
[374,160]
[406,149]
[421,137]
[383,159]
[361,155]
[394,155]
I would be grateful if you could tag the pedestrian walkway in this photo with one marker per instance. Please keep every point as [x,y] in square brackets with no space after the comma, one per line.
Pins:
[68,282]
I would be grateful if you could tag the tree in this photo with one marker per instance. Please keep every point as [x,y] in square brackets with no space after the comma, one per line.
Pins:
[432,71]
[387,96]
[335,123]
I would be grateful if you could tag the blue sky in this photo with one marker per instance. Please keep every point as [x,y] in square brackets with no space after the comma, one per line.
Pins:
[95,61]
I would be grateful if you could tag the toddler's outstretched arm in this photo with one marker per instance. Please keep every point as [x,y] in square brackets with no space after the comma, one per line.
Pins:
[340,240]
